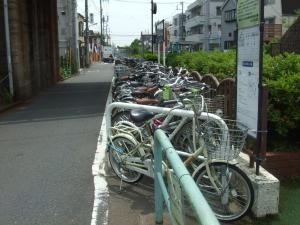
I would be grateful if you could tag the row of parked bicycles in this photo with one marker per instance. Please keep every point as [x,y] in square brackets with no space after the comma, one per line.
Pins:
[208,143]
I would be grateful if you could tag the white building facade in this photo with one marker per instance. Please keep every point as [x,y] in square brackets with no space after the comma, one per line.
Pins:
[203,25]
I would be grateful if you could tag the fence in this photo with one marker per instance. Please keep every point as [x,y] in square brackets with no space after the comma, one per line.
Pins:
[281,164]
[179,179]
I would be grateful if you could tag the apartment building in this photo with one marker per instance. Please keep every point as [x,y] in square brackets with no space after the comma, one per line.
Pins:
[203,24]
[177,36]
[279,16]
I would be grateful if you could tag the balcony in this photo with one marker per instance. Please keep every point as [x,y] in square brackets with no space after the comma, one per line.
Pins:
[272,31]
[197,20]
[196,38]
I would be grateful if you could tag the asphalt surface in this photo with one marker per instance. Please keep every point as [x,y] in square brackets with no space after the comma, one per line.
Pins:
[47,148]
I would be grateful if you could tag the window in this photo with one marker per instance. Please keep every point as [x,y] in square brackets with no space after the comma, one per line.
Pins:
[80,29]
[197,29]
[209,28]
[219,11]
[269,2]
[196,11]
[230,15]
[219,27]
[175,22]
[175,33]
[270,20]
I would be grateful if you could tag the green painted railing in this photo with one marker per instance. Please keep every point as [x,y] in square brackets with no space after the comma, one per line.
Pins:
[202,211]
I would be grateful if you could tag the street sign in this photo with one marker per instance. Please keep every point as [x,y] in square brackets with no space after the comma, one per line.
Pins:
[160,27]
[249,64]
[248,77]
[248,13]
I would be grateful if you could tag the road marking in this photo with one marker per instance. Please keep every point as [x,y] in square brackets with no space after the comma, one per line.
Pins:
[100,208]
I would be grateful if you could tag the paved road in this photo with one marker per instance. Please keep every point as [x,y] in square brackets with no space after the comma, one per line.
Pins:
[47,148]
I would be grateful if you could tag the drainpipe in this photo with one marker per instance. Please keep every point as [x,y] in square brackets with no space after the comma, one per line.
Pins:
[8,50]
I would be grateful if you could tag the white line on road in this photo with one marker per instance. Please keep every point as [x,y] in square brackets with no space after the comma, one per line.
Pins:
[98,169]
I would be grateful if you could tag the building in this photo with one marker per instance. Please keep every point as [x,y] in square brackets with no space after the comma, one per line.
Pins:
[229,26]
[290,41]
[177,36]
[80,36]
[94,46]
[32,52]
[67,33]
[203,24]
[146,42]
[289,15]
[279,16]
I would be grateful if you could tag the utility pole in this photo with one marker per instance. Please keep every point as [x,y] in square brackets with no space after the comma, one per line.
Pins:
[8,49]
[103,21]
[152,42]
[101,28]
[143,47]
[87,54]
[153,11]
[181,22]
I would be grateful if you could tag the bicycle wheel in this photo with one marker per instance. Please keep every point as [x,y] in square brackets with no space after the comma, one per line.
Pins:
[236,192]
[122,146]
[183,140]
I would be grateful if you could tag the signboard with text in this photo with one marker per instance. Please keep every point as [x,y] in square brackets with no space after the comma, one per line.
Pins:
[248,63]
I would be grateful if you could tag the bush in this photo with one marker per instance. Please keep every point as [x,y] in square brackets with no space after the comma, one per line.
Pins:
[221,64]
[281,74]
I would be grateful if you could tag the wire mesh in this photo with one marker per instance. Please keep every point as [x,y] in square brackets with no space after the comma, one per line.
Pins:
[224,142]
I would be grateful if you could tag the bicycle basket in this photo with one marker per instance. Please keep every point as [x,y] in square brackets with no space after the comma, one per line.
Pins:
[215,105]
[224,141]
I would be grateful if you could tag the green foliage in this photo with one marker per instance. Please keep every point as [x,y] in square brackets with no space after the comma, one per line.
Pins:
[284,103]
[150,57]
[220,64]
[281,74]
[134,47]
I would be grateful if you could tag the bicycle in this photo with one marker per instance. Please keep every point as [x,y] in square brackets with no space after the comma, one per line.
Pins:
[227,189]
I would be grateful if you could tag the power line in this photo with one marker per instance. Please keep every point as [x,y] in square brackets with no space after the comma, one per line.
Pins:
[125,35]
[142,2]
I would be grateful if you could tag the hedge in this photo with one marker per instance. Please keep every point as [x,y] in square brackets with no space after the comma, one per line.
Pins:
[281,74]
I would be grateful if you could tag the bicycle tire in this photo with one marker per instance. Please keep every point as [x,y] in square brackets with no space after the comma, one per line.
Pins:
[123,173]
[235,194]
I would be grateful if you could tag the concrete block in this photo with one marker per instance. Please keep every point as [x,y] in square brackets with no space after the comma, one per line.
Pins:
[266,188]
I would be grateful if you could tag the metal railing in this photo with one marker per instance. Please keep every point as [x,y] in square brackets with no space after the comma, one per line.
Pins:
[202,211]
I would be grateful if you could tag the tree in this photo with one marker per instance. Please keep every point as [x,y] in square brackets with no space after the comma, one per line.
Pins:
[135,47]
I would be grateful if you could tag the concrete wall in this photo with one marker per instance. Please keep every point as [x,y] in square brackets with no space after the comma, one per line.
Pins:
[34,45]
[274,11]
[3,60]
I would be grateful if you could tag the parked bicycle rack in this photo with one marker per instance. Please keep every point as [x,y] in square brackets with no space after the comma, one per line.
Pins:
[179,179]
[156,109]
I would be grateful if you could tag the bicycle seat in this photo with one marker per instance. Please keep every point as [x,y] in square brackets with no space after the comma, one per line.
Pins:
[140,115]
[147,101]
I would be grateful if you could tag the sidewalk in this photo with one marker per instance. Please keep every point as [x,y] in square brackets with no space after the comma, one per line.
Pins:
[47,150]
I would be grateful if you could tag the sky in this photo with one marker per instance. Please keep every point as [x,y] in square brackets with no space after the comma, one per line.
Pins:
[128,18]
